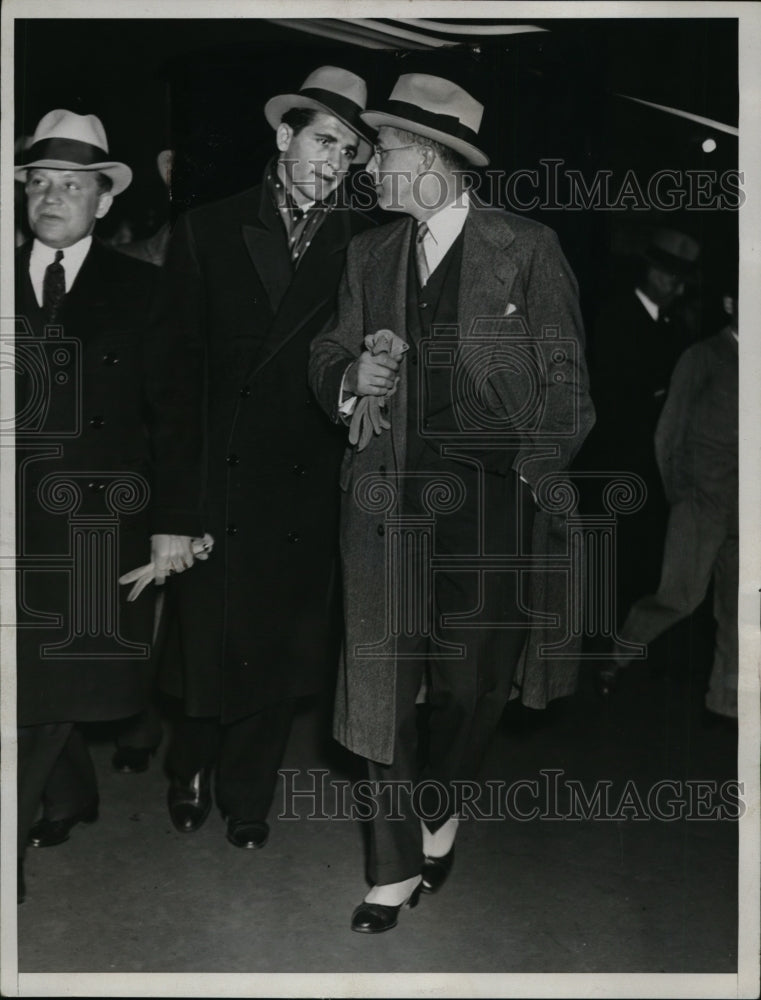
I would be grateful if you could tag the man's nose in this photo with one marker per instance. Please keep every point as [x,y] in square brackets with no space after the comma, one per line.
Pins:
[372,167]
[52,194]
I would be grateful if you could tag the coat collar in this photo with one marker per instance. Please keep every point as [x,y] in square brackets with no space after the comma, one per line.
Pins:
[296,296]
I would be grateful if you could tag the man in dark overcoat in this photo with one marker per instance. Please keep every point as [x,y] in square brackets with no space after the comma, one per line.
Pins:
[638,339]
[488,400]
[83,472]
[245,454]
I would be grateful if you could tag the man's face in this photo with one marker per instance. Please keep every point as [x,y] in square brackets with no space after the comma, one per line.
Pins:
[317,158]
[663,287]
[62,205]
[394,166]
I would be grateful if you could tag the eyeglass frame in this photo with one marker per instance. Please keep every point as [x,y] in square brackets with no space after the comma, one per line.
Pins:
[379,151]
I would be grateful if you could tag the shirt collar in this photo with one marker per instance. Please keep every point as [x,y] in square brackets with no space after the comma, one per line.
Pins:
[73,256]
[652,308]
[446,225]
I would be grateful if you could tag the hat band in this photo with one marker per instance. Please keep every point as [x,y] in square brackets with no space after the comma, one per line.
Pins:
[344,107]
[66,150]
[431,119]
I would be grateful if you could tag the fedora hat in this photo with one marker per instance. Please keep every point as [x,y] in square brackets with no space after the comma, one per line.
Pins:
[331,90]
[64,140]
[673,252]
[436,109]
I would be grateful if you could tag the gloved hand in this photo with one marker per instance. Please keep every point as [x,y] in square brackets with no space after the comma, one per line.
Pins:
[167,551]
[368,417]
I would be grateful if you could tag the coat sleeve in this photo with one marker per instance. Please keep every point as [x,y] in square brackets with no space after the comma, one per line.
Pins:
[565,413]
[177,391]
[341,342]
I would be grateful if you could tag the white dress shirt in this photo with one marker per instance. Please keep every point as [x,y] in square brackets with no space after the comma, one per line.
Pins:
[71,262]
[443,229]
[652,308]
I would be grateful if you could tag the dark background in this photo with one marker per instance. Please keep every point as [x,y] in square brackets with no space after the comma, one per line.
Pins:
[200,86]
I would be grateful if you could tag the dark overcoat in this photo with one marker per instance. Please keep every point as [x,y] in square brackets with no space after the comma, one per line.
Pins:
[245,453]
[512,270]
[83,492]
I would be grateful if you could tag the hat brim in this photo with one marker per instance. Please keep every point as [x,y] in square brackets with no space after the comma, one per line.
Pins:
[376,119]
[664,261]
[120,173]
[276,107]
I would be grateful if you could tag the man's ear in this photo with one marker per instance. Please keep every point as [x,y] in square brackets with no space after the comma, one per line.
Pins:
[105,201]
[428,157]
[283,137]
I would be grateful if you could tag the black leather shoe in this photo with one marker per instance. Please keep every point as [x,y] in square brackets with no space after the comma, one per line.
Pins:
[190,802]
[436,871]
[51,832]
[247,833]
[132,760]
[374,918]
[20,883]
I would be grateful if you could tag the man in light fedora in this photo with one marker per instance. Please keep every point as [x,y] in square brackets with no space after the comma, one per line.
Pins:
[457,358]
[245,454]
[81,403]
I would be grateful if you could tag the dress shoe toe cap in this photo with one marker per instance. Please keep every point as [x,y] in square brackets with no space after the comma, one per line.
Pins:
[248,834]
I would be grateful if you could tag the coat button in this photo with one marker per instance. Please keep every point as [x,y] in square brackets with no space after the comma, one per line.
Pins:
[110,359]
[293,537]
[298,470]
[245,391]
[381,529]
[96,486]
[232,460]
[423,305]
[96,422]
[232,529]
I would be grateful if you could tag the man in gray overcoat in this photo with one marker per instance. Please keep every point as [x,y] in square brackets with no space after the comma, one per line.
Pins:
[457,356]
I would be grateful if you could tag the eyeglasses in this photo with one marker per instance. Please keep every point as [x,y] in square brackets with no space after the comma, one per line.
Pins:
[380,151]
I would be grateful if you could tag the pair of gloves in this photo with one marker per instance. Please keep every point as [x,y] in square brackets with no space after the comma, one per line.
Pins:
[169,554]
[367,418]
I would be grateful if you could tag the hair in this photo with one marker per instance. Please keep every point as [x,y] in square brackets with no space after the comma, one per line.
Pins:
[451,159]
[298,118]
[105,184]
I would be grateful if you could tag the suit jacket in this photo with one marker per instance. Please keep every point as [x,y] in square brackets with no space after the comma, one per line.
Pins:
[518,307]
[245,453]
[82,414]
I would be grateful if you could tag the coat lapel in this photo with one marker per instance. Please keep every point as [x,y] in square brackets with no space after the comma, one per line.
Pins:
[310,287]
[268,250]
[487,272]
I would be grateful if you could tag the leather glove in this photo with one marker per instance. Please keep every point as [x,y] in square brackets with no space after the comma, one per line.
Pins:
[170,553]
[368,417]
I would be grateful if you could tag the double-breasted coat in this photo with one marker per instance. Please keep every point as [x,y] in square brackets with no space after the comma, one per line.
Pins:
[512,270]
[83,475]
[245,453]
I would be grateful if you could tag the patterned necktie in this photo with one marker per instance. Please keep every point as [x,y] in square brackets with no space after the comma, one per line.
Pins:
[53,288]
[422,263]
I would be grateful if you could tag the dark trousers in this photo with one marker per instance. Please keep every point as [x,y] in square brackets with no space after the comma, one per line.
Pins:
[55,769]
[465,696]
[247,755]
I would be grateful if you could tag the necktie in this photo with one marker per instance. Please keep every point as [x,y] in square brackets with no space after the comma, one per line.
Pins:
[53,288]
[422,262]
